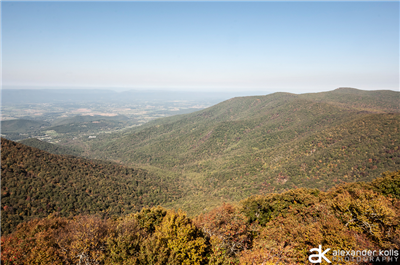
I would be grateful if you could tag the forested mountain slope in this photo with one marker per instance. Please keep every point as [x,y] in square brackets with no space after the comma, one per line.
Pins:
[51,148]
[371,101]
[249,145]
[35,183]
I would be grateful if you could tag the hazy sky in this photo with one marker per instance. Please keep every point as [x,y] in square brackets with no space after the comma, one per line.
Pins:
[271,46]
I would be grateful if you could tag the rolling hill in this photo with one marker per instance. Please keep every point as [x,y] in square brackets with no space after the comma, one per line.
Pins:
[22,126]
[261,144]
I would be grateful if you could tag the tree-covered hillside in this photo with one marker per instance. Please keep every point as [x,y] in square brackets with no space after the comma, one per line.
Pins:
[260,144]
[271,229]
[51,148]
[35,183]
[22,125]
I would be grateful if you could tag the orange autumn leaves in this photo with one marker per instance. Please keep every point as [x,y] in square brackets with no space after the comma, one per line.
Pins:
[271,229]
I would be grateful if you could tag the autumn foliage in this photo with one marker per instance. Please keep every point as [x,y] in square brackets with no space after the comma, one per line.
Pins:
[271,229]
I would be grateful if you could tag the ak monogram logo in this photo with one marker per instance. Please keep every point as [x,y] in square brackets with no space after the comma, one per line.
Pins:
[319,256]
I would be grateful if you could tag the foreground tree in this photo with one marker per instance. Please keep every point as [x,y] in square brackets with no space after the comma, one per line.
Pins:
[176,241]
[83,240]
[228,231]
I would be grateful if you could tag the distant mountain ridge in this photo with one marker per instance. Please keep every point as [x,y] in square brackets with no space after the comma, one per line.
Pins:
[259,144]
[375,101]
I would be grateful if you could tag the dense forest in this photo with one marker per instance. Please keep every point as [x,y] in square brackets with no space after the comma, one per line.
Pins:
[35,183]
[271,229]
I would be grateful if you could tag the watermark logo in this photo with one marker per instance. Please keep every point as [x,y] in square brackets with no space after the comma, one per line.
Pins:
[319,256]
[339,255]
